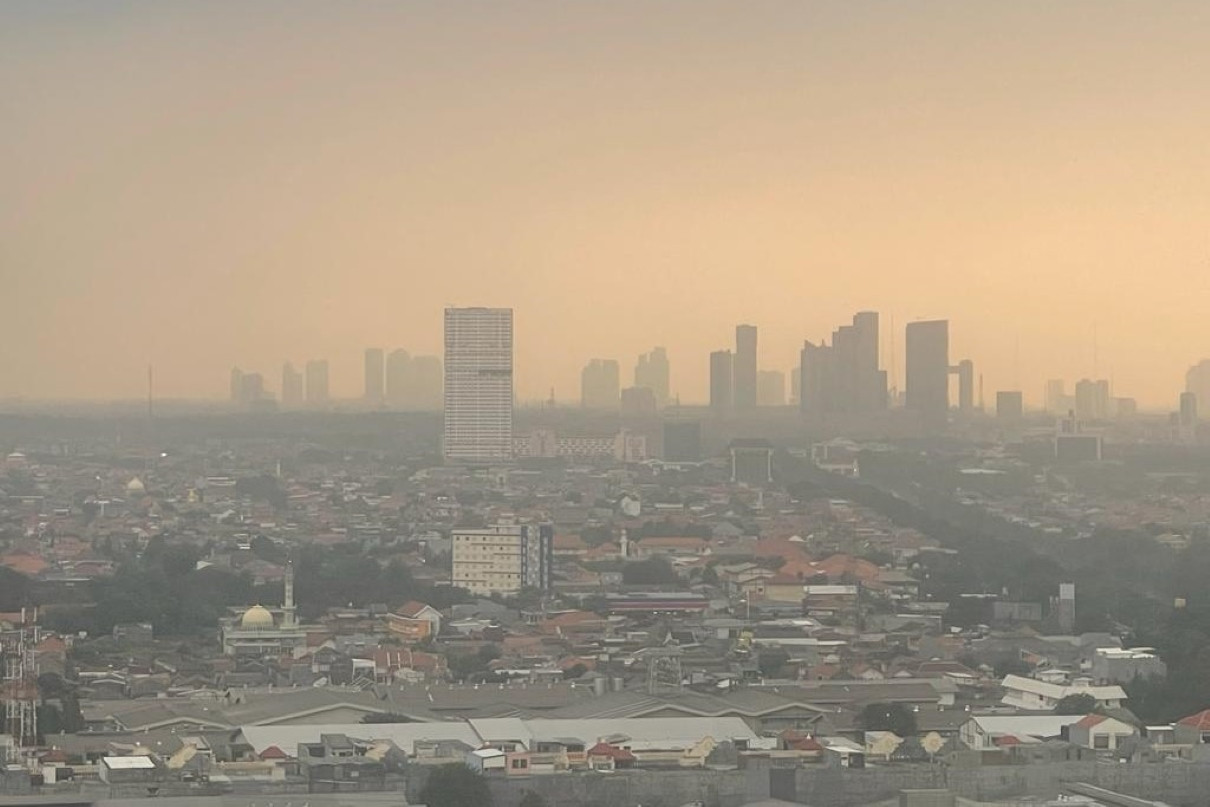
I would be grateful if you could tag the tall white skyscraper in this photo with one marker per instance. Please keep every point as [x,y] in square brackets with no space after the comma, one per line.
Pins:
[478,384]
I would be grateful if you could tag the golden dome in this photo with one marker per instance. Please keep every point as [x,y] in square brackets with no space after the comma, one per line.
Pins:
[256,617]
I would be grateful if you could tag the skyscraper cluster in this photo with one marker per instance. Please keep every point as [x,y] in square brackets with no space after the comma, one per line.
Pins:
[733,375]
[844,376]
[652,372]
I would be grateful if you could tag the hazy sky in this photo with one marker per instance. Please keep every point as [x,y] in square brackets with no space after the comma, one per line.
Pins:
[202,184]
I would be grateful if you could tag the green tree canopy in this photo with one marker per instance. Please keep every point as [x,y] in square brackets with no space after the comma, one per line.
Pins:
[1080,703]
[455,785]
[892,717]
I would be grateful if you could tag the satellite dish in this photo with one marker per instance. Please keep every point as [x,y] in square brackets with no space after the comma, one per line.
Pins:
[631,506]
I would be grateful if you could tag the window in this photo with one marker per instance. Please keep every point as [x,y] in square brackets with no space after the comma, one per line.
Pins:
[1100,741]
[519,764]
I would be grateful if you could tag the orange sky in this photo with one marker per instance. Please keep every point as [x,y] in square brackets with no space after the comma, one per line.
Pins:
[198,185]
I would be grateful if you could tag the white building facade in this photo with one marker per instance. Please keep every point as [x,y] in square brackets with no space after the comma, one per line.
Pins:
[478,385]
[503,559]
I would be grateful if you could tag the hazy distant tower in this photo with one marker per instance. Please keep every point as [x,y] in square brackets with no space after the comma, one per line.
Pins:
[291,386]
[721,380]
[652,372]
[928,368]
[600,384]
[317,382]
[744,367]
[478,384]
[375,375]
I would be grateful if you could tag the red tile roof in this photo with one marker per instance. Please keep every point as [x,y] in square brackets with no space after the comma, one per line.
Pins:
[1088,721]
[1200,721]
[612,751]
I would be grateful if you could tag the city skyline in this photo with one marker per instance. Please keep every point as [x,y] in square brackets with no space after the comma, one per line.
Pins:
[1029,174]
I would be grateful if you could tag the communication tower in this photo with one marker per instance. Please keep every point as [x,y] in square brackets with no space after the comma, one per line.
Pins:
[19,688]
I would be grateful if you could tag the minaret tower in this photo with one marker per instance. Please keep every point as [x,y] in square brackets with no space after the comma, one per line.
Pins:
[288,619]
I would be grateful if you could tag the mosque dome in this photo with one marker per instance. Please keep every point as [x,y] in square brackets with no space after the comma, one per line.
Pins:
[256,617]
[135,486]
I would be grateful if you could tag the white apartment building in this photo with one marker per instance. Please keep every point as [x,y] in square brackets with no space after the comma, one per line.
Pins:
[478,384]
[502,559]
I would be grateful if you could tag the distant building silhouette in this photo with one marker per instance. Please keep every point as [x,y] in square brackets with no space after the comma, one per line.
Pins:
[1010,405]
[478,384]
[743,369]
[237,385]
[600,384]
[317,382]
[965,370]
[413,382]
[653,372]
[375,375]
[251,388]
[1092,399]
[770,388]
[1058,402]
[844,377]
[1197,381]
[796,386]
[1187,416]
[928,367]
[721,389]
[291,386]
[638,402]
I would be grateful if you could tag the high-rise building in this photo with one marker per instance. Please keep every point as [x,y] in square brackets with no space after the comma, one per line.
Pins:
[317,382]
[653,372]
[965,370]
[1197,381]
[844,377]
[413,382]
[1092,399]
[478,384]
[928,367]
[398,377]
[252,388]
[1188,411]
[1010,405]
[638,402]
[1058,402]
[291,386]
[375,375]
[743,371]
[237,385]
[770,388]
[720,380]
[600,384]
[796,386]
[502,559]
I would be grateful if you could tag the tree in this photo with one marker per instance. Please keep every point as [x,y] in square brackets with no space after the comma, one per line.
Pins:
[893,717]
[1080,703]
[455,785]
[532,799]
[651,572]
[771,661]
